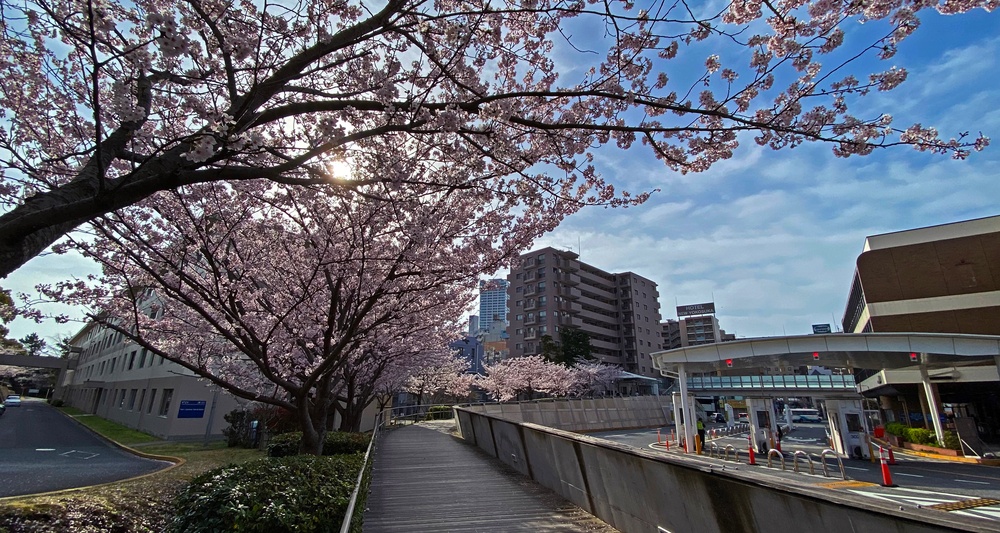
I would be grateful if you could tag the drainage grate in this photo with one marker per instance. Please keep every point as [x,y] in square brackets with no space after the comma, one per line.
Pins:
[964,504]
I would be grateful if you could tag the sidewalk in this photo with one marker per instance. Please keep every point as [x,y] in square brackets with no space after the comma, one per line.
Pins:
[424,479]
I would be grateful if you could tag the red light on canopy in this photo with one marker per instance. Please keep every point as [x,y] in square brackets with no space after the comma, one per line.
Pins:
[913,357]
[729,363]
[816,356]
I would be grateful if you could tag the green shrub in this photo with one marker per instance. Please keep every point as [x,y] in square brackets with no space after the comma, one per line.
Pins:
[56,403]
[951,441]
[335,443]
[302,494]
[439,412]
[239,433]
[921,436]
[896,428]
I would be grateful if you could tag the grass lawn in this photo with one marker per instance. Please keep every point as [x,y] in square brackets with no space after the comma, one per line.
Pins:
[141,504]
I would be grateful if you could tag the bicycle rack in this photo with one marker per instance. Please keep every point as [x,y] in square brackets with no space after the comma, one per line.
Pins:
[713,449]
[771,453]
[822,459]
[795,461]
[734,450]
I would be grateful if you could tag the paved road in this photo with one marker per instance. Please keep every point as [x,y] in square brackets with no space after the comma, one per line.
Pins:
[42,450]
[919,481]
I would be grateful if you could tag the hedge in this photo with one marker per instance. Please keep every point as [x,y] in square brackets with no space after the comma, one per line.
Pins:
[439,412]
[335,443]
[303,494]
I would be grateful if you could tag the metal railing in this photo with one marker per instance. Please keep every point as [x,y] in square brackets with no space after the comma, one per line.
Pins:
[771,453]
[345,526]
[795,461]
[822,459]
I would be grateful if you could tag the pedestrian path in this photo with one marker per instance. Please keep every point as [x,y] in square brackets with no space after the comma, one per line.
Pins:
[425,480]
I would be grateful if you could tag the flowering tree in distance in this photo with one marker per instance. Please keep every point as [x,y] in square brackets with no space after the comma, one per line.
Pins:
[293,297]
[106,103]
[509,378]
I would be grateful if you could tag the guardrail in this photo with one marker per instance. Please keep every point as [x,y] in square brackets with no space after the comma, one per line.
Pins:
[345,526]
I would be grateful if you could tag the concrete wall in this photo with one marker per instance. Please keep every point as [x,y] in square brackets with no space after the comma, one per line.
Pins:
[582,415]
[635,490]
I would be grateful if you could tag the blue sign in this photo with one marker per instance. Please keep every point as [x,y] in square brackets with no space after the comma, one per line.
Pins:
[821,328]
[191,409]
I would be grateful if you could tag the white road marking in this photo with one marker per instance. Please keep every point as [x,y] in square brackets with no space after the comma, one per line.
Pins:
[856,468]
[45,449]
[907,475]
[969,481]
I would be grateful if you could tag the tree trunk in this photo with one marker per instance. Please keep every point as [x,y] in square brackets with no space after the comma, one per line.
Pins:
[312,419]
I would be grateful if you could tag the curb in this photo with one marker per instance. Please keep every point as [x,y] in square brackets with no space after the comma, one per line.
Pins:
[968,460]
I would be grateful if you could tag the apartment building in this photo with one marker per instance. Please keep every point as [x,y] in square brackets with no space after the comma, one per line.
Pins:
[493,305]
[552,289]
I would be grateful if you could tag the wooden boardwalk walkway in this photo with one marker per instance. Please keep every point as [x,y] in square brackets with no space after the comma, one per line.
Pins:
[425,479]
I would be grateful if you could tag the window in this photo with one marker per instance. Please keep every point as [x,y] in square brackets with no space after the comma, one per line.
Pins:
[142,399]
[168,394]
[519,317]
[541,285]
[541,315]
[131,360]
[131,399]
[149,406]
[161,359]
[519,303]
[518,331]
[517,276]
[121,399]
[142,358]
[518,346]
[541,300]
[518,290]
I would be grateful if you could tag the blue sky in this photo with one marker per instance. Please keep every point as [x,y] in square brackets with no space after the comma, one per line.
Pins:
[772,237]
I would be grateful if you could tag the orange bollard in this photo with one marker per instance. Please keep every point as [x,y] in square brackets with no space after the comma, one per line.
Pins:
[892,458]
[886,476]
[752,460]
[657,436]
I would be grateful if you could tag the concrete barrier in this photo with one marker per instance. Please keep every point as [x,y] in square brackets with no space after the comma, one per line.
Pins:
[636,490]
[587,414]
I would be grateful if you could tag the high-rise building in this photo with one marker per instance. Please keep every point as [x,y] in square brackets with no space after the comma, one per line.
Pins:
[493,305]
[552,289]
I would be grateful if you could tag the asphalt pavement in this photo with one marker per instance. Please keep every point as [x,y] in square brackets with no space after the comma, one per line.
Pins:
[43,450]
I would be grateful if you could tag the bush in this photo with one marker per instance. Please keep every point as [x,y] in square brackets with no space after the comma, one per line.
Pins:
[56,403]
[951,441]
[921,436]
[239,433]
[335,443]
[303,493]
[896,428]
[439,412]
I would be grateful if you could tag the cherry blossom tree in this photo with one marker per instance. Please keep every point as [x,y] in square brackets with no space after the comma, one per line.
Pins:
[510,378]
[443,376]
[106,103]
[293,297]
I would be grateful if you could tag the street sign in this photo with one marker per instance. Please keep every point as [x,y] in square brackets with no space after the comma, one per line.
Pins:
[191,409]
[707,308]
[821,328]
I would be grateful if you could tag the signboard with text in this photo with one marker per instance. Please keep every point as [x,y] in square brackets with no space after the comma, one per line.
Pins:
[696,309]
[821,328]
[191,409]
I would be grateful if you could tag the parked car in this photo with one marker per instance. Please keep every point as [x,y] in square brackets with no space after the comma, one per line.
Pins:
[13,400]
[2,408]
[743,417]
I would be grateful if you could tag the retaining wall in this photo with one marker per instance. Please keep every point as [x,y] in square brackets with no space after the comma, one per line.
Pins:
[582,415]
[636,490]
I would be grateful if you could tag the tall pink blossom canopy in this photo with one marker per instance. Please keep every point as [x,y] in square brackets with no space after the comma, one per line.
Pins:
[105,103]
